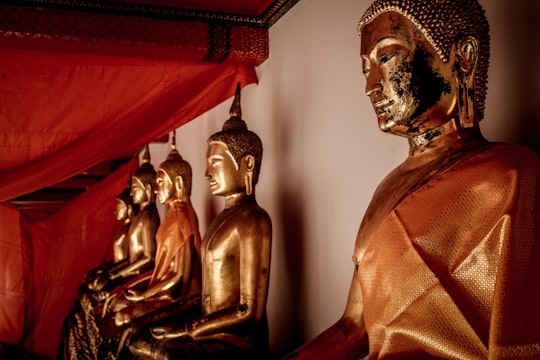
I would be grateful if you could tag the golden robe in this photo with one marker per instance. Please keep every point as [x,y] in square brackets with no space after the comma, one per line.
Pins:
[179,231]
[177,240]
[453,271]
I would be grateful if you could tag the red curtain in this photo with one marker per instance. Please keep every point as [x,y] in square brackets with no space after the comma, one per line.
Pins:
[11,278]
[60,114]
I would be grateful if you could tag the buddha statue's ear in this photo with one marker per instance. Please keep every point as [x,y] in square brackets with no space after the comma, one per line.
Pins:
[467,58]
[179,186]
[149,192]
[129,211]
[249,161]
[467,51]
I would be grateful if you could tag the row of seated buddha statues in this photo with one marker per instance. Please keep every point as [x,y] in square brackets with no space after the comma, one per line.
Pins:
[86,335]
[167,294]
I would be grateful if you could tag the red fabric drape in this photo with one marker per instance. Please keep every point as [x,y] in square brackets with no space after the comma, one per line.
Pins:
[60,114]
[12,276]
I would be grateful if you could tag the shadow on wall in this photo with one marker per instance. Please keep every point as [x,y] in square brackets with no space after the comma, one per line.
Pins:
[293,243]
[291,236]
[522,28]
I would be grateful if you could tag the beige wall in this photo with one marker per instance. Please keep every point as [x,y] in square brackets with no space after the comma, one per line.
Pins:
[323,152]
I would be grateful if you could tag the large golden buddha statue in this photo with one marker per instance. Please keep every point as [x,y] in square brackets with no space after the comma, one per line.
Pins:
[445,255]
[177,271]
[235,261]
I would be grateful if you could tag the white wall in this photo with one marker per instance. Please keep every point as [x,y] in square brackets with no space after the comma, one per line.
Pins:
[323,152]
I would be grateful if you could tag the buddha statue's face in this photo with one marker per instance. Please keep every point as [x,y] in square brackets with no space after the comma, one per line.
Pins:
[222,171]
[410,87]
[121,210]
[165,188]
[138,191]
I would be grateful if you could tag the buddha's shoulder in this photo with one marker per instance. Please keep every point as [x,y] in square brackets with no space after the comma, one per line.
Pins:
[250,212]
[504,160]
[149,212]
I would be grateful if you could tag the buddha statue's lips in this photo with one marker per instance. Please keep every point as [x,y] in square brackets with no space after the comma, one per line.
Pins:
[381,105]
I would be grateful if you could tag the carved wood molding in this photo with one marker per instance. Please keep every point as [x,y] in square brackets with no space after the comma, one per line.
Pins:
[128,29]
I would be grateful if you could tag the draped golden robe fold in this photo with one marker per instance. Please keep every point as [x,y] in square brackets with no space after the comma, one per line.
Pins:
[452,272]
[179,228]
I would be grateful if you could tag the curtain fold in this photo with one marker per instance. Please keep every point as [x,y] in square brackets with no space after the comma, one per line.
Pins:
[12,289]
[60,114]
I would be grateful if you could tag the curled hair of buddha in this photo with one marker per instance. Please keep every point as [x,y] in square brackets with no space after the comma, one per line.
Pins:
[443,23]
[146,172]
[239,140]
[175,166]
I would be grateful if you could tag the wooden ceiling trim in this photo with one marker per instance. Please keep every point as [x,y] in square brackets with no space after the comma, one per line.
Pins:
[75,31]
[145,9]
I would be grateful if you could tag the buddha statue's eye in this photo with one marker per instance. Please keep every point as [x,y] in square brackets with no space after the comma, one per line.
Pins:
[384,58]
[215,160]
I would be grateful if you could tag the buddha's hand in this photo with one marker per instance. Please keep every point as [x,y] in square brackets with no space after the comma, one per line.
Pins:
[169,332]
[100,295]
[100,281]
[118,304]
[112,276]
[90,278]
[134,295]
[122,318]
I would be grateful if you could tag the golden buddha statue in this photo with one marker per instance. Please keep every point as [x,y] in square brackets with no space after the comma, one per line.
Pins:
[444,257]
[124,211]
[177,271]
[142,243]
[235,261]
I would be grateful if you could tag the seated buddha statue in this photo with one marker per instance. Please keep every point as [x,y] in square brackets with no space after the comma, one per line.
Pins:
[142,232]
[124,211]
[177,271]
[235,255]
[444,262]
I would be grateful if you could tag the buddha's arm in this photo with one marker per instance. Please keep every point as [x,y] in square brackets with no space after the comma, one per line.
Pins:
[255,235]
[345,340]
[110,296]
[147,241]
[116,266]
[103,278]
[255,241]
[140,281]
[90,275]
[133,267]
[118,262]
